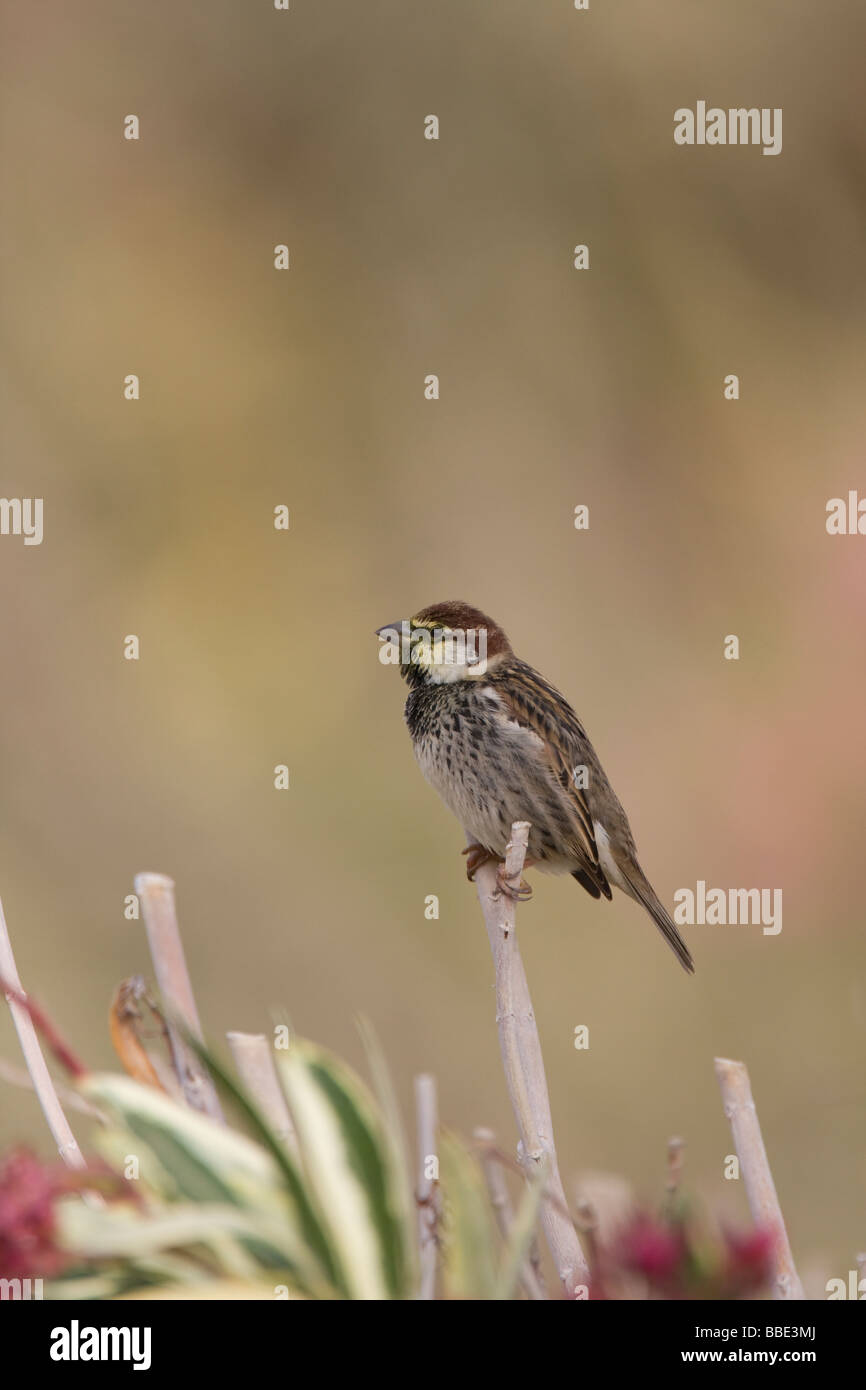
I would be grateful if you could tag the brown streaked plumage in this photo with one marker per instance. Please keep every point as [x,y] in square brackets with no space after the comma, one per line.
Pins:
[500,745]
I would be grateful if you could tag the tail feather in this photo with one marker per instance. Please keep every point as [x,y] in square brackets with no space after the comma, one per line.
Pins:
[643,892]
[595,887]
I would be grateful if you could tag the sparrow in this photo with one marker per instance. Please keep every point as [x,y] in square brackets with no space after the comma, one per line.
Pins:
[500,744]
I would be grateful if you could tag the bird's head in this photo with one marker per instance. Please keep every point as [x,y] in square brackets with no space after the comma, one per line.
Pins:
[446,642]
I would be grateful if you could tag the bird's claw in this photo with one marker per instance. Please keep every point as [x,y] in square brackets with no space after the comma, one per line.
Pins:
[506,887]
[476,856]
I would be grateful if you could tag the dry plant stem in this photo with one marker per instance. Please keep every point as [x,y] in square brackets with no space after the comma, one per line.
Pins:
[523,1063]
[502,1209]
[17,1076]
[676,1153]
[67,1144]
[427,1194]
[254,1061]
[156,895]
[587,1219]
[740,1109]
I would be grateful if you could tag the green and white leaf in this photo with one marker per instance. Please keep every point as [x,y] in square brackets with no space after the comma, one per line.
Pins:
[115,1232]
[206,1161]
[521,1235]
[349,1167]
[197,1160]
[470,1238]
[399,1159]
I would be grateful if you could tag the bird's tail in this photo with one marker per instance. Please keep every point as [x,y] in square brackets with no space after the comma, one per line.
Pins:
[643,893]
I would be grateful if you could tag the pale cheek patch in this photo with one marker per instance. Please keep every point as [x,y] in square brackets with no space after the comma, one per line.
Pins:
[429,652]
[433,656]
[442,674]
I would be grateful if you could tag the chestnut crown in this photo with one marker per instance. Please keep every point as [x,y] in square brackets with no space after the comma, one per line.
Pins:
[457,616]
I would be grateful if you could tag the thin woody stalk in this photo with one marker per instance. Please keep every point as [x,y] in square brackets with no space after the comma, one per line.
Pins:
[156,895]
[254,1060]
[427,1194]
[733,1079]
[524,1066]
[67,1144]
[500,1201]
[20,1077]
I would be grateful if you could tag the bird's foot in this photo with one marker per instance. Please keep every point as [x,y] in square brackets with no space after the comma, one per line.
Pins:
[506,887]
[476,856]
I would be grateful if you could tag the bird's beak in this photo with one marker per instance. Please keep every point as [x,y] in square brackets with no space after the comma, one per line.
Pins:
[390,627]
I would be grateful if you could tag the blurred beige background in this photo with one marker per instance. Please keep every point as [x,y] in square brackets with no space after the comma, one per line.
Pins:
[557,388]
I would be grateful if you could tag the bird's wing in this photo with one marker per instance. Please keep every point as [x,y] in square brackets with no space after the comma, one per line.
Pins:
[528,699]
